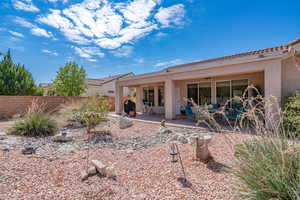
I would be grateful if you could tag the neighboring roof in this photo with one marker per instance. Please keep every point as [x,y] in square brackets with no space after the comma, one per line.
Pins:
[45,85]
[101,81]
[94,81]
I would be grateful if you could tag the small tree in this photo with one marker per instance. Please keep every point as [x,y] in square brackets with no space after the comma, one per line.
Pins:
[69,80]
[94,111]
[14,78]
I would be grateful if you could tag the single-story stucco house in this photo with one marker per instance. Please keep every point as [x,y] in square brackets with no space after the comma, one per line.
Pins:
[274,71]
[104,86]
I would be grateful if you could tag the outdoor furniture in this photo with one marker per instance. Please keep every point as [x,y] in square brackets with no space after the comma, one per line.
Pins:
[234,111]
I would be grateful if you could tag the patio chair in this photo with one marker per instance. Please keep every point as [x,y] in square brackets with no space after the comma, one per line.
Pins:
[234,112]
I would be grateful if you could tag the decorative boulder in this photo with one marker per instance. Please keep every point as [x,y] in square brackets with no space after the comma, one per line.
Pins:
[92,171]
[101,168]
[29,150]
[110,172]
[164,130]
[62,137]
[125,122]
[3,136]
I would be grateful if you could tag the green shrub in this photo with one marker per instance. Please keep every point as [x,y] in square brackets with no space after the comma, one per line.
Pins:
[291,111]
[88,113]
[34,124]
[94,111]
[268,169]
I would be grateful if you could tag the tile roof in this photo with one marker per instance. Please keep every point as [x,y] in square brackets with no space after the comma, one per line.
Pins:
[281,48]
[101,81]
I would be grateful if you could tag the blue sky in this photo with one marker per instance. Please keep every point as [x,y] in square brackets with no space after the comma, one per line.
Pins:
[110,37]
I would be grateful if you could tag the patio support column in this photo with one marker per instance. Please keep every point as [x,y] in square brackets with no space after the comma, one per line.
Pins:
[139,99]
[213,91]
[155,95]
[118,98]
[169,99]
[273,80]
[272,76]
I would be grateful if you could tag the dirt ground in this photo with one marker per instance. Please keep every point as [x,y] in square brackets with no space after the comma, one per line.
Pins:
[140,174]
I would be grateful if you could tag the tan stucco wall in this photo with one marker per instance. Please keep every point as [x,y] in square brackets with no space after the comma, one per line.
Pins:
[290,77]
[104,90]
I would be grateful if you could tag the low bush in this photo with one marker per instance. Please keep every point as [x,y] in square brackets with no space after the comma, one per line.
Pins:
[34,124]
[268,169]
[87,113]
[291,111]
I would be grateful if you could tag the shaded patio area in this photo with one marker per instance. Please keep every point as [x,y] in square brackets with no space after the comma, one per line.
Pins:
[179,121]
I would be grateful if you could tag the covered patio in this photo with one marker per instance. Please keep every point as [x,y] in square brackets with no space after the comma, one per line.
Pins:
[206,82]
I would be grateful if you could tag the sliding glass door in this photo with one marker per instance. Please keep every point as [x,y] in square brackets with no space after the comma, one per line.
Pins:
[200,92]
[229,89]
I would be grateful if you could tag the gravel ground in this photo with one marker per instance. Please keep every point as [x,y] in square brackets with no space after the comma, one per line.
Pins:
[143,173]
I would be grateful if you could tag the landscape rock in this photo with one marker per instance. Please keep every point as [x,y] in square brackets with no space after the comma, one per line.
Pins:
[62,138]
[29,150]
[3,136]
[99,166]
[84,175]
[5,148]
[164,130]
[92,171]
[110,172]
[125,122]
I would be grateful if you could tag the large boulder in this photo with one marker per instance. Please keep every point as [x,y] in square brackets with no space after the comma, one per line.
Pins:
[125,122]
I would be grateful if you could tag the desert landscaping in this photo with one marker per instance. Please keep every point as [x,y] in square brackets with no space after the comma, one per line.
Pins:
[139,156]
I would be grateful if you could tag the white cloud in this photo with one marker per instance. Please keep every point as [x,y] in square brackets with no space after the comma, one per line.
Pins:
[54,1]
[88,53]
[111,25]
[161,34]
[41,32]
[172,15]
[25,5]
[123,51]
[17,34]
[23,22]
[50,52]
[139,60]
[35,30]
[169,63]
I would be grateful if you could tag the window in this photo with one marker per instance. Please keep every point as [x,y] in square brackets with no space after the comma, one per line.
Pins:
[161,96]
[223,92]
[192,90]
[229,89]
[110,91]
[148,96]
[200,93]
[238,87]
[204,93]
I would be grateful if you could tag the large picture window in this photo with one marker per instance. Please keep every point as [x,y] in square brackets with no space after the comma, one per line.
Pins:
[161,96]
[200,92]
[148,96]
[229,89]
